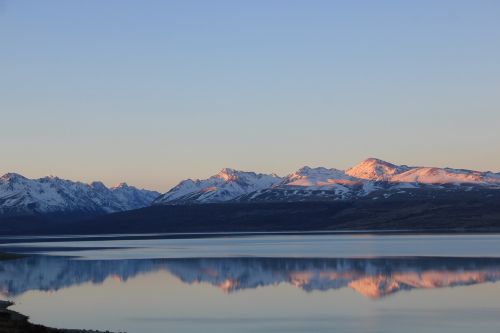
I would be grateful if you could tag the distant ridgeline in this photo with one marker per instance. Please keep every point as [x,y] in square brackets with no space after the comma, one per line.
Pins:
[375,193]
[372,177]
[22,196]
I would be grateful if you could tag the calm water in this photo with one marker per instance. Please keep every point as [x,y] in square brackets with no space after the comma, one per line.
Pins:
[309,283]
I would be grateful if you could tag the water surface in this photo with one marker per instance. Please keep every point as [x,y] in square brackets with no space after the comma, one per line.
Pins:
[320,283]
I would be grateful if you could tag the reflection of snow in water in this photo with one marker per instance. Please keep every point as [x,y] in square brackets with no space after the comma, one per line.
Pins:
[373,278]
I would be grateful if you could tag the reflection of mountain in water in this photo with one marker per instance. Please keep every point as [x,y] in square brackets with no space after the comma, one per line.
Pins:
[373,278]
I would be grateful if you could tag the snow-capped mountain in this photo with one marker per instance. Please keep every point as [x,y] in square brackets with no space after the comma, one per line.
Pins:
[426,175]
[376,170]
[228,184]
[134,197]
[370,177]
[309,184]
[20,195]
[318,178]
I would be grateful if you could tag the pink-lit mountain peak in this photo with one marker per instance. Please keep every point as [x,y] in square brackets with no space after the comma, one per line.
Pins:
[376,169]
[12,176]
[120,185]
[223,186]
[319,183]
[316,177]
[229,174]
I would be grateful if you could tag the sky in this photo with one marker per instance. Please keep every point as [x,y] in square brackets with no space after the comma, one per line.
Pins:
[152,92]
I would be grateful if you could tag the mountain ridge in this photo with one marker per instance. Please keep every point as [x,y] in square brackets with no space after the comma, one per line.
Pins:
[320,183]
[372,179]
[23,196]
[225,185]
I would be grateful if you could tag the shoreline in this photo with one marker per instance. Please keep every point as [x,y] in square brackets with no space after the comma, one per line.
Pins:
[55,238]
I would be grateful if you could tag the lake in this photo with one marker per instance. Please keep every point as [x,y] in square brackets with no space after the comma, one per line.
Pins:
[258,283]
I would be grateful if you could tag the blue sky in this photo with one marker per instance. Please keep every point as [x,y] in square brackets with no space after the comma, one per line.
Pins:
[151,92]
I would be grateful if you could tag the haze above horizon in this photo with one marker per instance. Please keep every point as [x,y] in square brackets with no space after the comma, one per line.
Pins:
[151,93]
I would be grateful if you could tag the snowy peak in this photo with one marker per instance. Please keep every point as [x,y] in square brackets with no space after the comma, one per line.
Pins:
[99,186]
[317,177]
[244,177]
[430,175]
[376,170]
[226,185]
[370,177]
[373,169]
[12,176]
[120,186]
[132,197]
[228,174]
[375,177]
[20,196]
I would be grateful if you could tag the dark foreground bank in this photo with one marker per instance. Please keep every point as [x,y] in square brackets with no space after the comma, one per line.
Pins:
[436,211]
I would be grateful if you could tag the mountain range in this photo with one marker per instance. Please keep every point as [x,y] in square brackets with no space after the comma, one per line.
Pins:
[372,179]
[20,195]
[228,184]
